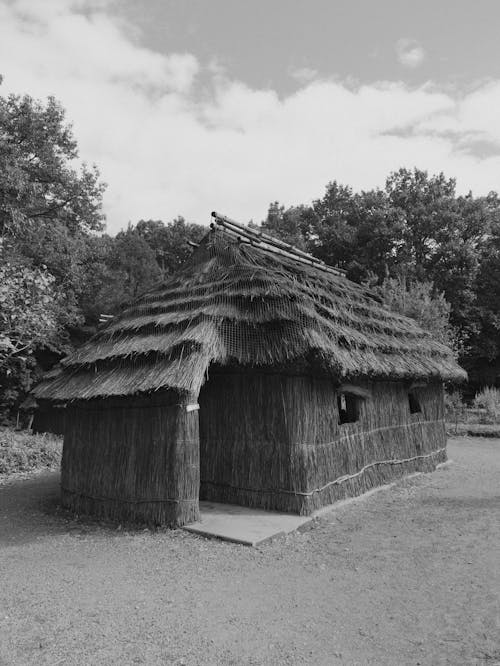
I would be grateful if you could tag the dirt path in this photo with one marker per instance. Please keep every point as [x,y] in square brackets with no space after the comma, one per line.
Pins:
[410,575]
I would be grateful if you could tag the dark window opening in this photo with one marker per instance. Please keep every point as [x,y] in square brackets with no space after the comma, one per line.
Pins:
[414,404]
[348,408]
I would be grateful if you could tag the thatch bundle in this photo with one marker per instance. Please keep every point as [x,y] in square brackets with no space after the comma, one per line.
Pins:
[238,303]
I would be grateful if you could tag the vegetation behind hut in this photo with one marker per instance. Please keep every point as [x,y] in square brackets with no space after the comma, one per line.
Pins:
[416,228]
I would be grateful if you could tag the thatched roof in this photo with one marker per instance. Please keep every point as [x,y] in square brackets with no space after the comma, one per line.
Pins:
[238,302]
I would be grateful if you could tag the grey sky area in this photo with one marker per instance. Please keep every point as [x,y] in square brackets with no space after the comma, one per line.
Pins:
[264,42]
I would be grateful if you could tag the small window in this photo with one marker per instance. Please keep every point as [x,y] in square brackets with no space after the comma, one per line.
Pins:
[414,403]
[348,405]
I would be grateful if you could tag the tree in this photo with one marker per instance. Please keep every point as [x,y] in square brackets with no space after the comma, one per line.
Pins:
[132,267]
[48,207]
[429,211]
[357,232]
[100,289]
[37,178]
[485,345]
[51,244]
[32,316]
[444,240]
[378,234]
[419,301]
[331,230]
[286,225]
[169,242]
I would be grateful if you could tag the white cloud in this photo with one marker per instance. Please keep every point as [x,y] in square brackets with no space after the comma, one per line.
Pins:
[169,146]
[410,53]
[304,74]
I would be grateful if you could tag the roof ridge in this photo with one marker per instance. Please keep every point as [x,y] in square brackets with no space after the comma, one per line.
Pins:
[270,244]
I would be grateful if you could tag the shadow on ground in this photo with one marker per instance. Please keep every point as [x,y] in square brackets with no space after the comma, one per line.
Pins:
[30,510]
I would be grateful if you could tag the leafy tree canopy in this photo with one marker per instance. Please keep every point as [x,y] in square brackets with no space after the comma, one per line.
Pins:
[288,225]
[169,242]
[38,179]
[32,316]
[49,207]
[419,301]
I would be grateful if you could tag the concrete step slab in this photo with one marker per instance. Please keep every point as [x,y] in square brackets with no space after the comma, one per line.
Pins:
[240,524]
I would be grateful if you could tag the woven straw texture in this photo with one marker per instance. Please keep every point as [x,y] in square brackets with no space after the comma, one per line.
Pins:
[236,303]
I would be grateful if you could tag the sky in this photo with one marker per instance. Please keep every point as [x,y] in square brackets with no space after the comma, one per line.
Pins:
[189,106]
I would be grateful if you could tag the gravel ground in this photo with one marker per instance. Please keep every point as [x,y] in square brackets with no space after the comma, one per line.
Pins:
[410,575]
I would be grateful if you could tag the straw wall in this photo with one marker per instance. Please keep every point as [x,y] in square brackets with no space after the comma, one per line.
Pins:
[244,439]
[132,459]
[273,441]
[387,442]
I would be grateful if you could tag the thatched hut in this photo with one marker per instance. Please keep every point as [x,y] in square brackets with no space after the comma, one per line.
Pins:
[256,375]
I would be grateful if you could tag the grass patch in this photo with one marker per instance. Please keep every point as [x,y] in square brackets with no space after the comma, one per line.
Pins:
[473,429]
[22,451]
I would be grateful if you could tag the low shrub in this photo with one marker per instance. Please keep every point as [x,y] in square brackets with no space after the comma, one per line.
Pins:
[488,400]
[455,407]
[22,451]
